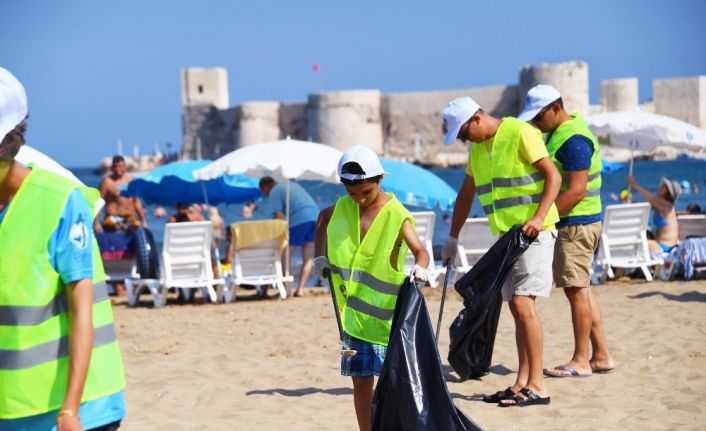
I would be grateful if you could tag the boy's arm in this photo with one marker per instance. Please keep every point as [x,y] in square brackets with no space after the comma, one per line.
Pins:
[321,236]
[421,256]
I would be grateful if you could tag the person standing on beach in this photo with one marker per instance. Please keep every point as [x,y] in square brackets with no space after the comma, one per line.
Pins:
[60,363]
[303,212]
[575,152]
[517,183]
[362,241]
[119,210]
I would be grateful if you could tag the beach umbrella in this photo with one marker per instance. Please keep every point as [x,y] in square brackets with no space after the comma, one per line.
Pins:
[283,160]
[175,183]
[416,186]
[646,131]
[29,156]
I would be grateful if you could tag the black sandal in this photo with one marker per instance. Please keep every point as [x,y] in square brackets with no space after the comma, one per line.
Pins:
[499,395]
[532,399]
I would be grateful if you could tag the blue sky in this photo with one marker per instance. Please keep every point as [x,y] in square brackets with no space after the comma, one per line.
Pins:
[98,70]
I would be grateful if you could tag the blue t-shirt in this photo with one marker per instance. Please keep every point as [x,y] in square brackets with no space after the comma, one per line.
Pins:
[575,155]
[71,255]
[302,208]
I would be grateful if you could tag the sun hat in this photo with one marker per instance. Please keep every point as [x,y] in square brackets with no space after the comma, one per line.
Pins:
[457,112]
[365,158]
[673,187]
[538,97]
[13,103]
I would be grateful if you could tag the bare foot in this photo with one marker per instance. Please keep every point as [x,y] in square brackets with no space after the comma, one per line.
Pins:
[298,293]
[602,366]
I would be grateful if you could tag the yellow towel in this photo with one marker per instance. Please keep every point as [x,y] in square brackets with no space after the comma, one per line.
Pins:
[248,234]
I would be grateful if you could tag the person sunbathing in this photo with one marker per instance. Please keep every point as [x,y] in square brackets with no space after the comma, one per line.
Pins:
[664,218]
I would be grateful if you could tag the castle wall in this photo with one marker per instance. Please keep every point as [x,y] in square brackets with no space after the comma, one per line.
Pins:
[259,122]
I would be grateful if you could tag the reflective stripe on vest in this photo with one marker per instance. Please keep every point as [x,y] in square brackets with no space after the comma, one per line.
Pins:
[591,202]
[366,283]
[509,190]
[34,325]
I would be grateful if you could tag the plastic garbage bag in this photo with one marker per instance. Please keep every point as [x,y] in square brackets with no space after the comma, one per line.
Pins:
[411,393]
[473,331]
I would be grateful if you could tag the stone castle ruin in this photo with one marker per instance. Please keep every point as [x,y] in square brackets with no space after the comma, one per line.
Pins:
[403,125]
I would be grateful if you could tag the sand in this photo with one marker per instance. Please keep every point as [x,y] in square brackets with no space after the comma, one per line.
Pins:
[274,365]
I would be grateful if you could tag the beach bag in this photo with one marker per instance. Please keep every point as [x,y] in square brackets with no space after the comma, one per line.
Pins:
[411,393]
[473,331]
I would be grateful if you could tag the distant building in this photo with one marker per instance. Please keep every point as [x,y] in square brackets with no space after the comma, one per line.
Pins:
[402,125]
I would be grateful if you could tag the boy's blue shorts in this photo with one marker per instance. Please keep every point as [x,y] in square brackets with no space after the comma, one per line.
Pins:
[302,233]
[368,360]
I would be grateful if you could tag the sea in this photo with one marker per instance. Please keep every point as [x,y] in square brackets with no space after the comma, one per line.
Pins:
[690,172]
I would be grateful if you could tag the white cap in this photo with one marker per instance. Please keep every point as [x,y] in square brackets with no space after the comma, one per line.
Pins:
[455,114]
[366,158]
[538,97]
[13,102]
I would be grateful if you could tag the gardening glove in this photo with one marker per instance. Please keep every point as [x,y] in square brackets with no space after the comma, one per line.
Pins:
[320,264]
[420,274]
[450,250]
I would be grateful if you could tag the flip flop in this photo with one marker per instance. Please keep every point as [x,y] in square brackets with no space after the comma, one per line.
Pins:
[531,400]
[572,372]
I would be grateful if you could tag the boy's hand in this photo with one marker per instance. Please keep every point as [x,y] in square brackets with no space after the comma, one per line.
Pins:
[420,274]
[533,226]
[320,264]
[450,250]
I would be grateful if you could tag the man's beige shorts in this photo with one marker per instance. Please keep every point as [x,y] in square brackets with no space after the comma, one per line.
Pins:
[532,273]
[573,254]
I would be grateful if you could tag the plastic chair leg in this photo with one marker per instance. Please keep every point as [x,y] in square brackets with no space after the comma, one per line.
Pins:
[132,292]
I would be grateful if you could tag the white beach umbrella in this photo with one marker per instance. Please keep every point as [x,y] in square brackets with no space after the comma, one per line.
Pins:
[646,131]
[30,156]
[282,160]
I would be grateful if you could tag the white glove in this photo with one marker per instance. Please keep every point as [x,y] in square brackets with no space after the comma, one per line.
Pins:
[320,264]
[420,274]
[450,250]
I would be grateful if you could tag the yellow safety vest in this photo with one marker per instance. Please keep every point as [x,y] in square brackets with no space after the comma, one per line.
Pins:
[508,188]
[591,202]
[366,283]
[34,326]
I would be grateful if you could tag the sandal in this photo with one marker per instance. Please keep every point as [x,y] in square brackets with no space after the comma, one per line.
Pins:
[499,395]
[532,399]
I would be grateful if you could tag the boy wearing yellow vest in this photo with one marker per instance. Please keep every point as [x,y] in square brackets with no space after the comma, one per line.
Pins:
[60,364]
[575,152]
[516,182]
[362,240]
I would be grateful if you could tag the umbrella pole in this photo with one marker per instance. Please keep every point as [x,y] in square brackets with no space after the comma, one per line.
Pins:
[632,158]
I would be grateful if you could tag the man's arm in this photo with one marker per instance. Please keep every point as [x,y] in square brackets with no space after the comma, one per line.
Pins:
[140,210]
[576,190]
[552,182]
[80,298]
[462,207]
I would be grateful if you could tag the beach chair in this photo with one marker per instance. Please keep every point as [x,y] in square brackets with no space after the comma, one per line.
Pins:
[474,240]
[623,242]
[424,221]
[186,264]
[257,255]
[691,225]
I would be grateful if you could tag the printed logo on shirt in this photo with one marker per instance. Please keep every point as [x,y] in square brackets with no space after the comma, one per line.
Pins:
[79,234]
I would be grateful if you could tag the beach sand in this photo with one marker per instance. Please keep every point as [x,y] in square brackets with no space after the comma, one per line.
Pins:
[274,365]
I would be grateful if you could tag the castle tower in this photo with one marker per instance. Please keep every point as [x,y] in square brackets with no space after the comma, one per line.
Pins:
[208,124]
[571,79]
[619,94]
[259,122]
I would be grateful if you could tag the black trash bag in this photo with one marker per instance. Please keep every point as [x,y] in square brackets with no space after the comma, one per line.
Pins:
[473,331]
[411,393]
